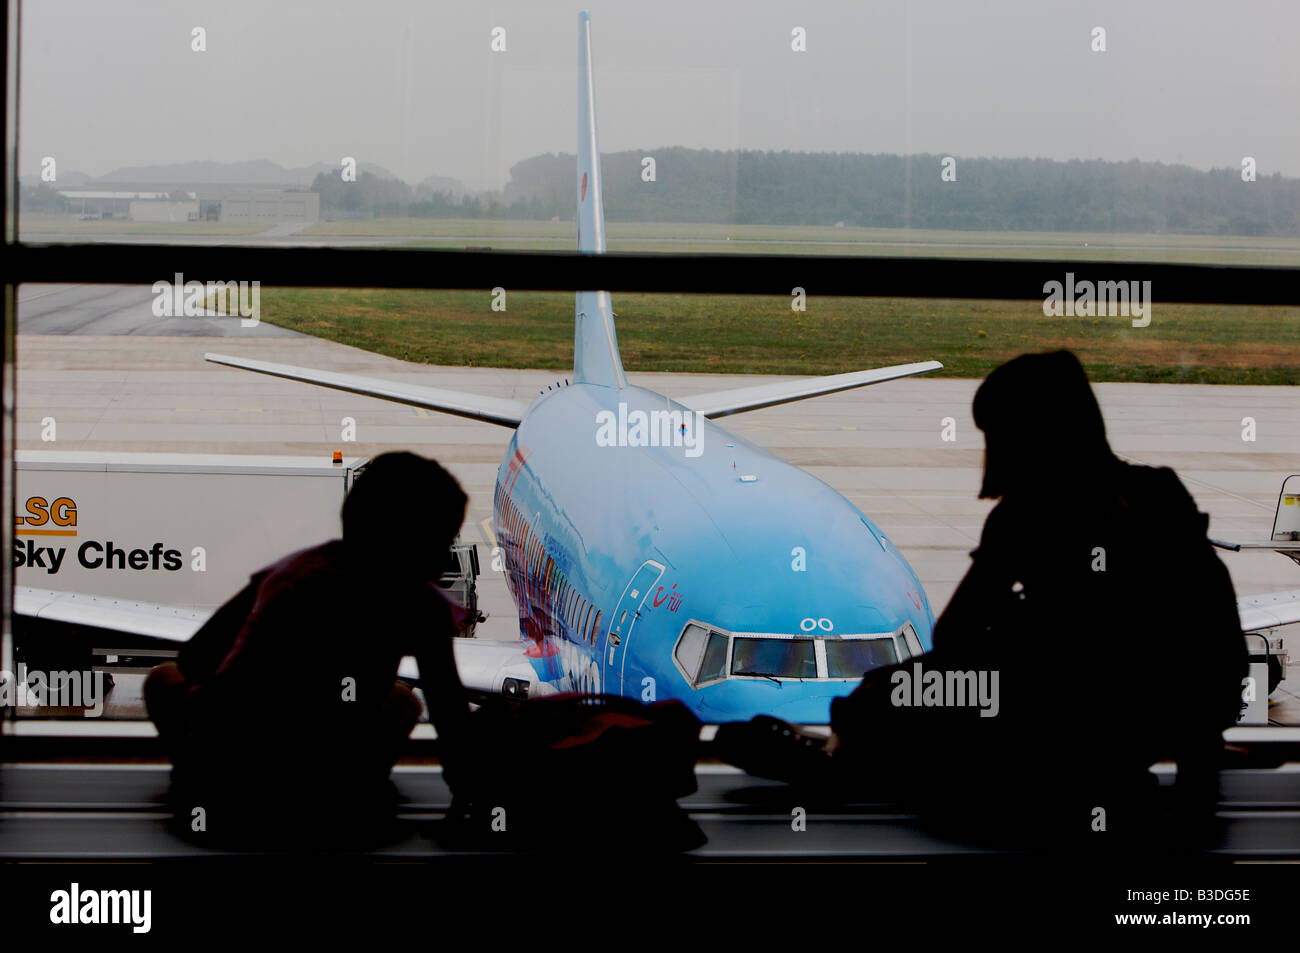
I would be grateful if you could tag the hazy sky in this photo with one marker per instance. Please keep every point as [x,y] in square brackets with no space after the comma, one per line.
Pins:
[414,86]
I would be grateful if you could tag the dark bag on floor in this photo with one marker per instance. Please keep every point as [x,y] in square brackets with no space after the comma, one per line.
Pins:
[548,770]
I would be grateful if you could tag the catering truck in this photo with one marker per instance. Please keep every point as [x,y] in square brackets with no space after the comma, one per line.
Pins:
[177,530]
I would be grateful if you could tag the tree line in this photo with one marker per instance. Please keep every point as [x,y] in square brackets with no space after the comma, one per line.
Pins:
[803,188]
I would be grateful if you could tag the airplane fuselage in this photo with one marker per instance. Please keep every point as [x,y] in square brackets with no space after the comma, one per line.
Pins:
[610,551]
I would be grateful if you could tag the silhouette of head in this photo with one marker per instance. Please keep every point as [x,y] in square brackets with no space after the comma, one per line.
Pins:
[1042,426]
[403,513]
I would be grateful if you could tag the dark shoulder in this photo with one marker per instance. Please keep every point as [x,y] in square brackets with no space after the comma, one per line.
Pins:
[325,558]
[1155,497]
[307,573]
[1007,523]
[1157,487]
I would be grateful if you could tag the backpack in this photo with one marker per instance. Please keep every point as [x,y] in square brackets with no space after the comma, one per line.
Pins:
[600,769]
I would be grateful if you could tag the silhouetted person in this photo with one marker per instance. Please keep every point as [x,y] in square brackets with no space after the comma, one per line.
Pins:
[285,708]
[1096,596]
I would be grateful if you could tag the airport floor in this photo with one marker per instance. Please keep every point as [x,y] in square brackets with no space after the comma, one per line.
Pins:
[120,812]
[117,378]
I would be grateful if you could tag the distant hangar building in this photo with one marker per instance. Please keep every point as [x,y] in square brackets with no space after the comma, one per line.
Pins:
[270,205]
[175,202]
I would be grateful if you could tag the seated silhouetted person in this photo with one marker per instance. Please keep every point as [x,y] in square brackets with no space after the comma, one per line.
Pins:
[1096,597]
[284,712]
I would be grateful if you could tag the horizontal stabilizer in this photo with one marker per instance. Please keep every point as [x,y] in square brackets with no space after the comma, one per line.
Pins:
[493,410]
[724,402]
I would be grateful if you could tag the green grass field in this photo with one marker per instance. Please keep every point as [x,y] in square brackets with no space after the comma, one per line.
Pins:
[761,335]
[824,240]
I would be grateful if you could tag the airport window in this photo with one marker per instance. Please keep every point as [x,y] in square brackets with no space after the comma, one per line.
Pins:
[849,658]
[781,658]
[1207,232]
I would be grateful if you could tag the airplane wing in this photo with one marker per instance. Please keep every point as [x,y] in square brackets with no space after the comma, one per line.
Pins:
[724,402]
[1269,610]
[488,666]
[493,410]
[170,623]
[484,664]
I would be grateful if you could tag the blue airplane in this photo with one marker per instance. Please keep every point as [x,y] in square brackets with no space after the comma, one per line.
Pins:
[653,554]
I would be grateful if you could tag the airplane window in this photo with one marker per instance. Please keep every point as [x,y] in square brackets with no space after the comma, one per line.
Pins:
[715,659]
[595,628]
[782,658]
[913,643]
[849,658]
[690,650]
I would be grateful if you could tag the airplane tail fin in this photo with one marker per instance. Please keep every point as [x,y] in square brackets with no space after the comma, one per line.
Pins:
[595,344]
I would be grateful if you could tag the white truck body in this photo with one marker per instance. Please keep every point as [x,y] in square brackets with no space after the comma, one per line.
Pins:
[170,528]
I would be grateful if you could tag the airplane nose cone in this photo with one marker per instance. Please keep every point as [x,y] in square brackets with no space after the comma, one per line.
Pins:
[802,708]
[807,709]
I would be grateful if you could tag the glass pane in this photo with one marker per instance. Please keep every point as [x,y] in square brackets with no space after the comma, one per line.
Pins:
[715,658]
[783,658]
[690,649]
[849,658]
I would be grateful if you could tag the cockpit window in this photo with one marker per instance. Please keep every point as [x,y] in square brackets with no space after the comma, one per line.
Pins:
[715,658]
[777,658]
[690,649]
[850,658]
[706,655]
